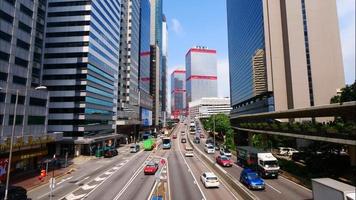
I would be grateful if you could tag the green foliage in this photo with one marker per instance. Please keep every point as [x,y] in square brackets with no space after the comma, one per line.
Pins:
[348,93]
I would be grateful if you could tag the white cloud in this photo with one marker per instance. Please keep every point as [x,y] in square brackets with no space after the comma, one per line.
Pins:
[177,26]
[223,78]
[346,12]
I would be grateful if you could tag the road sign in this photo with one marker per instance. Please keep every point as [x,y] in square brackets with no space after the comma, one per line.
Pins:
[52,183]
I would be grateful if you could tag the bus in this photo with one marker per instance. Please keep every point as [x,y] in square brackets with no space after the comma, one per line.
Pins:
[166,143]
[148,142]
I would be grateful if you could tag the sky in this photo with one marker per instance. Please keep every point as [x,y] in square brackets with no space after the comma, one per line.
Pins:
[204,23]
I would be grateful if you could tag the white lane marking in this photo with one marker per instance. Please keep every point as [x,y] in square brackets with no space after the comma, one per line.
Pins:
[189,169]
[152,191]
[137,172]
[295,184]
[273,188]
[115,168]
[99,179]
[74,197]
[79,182]
[63,180]
[88,187]
[108,172]
[111,175]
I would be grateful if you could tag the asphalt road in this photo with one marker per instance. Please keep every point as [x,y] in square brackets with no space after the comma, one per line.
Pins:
[197,167]
[281,188]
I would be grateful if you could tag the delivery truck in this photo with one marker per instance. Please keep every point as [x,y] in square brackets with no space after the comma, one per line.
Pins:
[263,162]
[330,189]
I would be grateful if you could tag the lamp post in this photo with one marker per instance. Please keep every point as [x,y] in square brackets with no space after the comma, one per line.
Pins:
[12,139]
[214,129]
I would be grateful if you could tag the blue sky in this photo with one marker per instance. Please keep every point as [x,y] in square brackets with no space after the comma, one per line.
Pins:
[203,22]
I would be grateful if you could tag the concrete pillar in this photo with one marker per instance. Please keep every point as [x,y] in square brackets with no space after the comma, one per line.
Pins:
[77,150]
[352,154]
[58,149]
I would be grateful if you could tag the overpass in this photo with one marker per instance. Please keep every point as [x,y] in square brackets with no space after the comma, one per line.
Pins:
[305,123]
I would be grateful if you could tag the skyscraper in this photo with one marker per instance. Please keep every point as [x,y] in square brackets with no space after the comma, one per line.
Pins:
[128,102]
[145,68]
[201,73]
[81,71]
[294,45]
[156,59]
[163,78]
[22,27]
[178,93]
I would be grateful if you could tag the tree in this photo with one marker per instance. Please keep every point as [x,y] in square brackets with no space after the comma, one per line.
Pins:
[348,93]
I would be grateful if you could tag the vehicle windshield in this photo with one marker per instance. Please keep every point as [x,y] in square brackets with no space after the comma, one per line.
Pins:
[227,151]
[212,178]
[270,163]
[252,176]
[224,158]
[166,141]
[210,147]
[151,164]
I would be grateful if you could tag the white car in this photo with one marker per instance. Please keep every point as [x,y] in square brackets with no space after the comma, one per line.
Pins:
[189,152]
[210,149]
[225,152]
[209,179]
[286,151]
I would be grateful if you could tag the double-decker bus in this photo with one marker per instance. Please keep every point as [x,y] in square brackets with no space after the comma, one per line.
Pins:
[166,143]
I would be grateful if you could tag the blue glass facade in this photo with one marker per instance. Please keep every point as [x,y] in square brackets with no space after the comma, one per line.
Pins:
[245,37]
[145,46]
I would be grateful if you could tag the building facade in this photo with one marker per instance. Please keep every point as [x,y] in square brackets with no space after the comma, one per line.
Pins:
[208,106]
[281,53]
[128,98]
[163,78]
[145,53]
[22,33]
[81,72]
[201,73]
[178,94]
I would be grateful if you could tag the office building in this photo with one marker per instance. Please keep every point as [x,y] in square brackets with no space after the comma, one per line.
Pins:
[164,70]
[282,53]
[208,106]
[145,53]
[201,73]
[22,27]
[178,94]
[156,60]
[128,113]
[81,72]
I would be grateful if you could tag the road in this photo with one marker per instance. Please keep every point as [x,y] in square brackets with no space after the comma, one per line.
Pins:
[280,188]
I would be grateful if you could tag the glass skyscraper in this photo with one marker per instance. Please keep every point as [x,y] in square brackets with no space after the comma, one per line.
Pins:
[81,70]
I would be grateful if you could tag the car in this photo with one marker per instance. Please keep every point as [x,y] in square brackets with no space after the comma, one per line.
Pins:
[174,136]
[225,152]
[110,153]
[252,180]
[135,148]
[224,161]
[188,151]
[202,136]
[286,151]
[196,140]
[209,179]
[183,140]
[217,147]
[209,149]
[151,168]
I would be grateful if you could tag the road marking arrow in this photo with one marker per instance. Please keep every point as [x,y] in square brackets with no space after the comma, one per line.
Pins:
[98,179]
[88,187]
[71,196]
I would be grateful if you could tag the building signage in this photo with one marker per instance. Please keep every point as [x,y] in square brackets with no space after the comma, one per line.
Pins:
[146,117]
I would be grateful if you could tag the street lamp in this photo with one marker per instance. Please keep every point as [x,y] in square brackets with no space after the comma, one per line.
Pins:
[12,137]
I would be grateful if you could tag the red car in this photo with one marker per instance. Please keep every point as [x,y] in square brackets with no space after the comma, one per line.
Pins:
[151,168]
[224,161]
[202,136]
[174,136]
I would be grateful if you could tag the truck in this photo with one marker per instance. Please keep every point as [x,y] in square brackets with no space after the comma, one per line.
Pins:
[148,142]
[265,164]
[330,189]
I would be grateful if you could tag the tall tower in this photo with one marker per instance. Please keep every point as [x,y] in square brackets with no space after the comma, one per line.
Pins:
[178,93]
[296,44]
[201,70]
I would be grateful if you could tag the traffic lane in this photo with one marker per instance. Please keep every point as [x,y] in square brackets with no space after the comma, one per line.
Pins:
[114,184]
[198,168]
[144,182]
[182,184]
[83,174]
[280,188]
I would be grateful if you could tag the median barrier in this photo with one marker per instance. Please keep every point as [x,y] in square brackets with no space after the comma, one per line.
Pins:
[237,186]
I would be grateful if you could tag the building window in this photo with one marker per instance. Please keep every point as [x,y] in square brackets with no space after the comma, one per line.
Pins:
[37,102]
[23,44]
[19,80]
[12,2]
[68,13]
[21,62]
[4,56]
[5,36]
[2,97]
[6,17]
[36,120]
[3,76]
[19,119]
[26,10]
[24,27]
[21,99]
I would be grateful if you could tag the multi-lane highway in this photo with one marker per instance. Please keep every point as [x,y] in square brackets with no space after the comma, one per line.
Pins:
[122,177]
[280,188]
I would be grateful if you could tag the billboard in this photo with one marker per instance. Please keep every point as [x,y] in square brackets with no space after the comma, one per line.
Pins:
[146,117]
